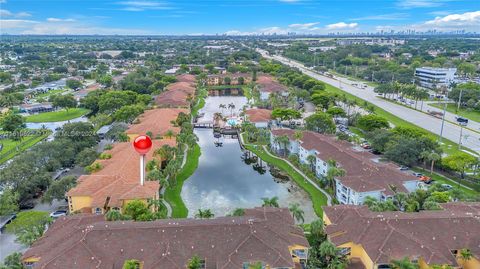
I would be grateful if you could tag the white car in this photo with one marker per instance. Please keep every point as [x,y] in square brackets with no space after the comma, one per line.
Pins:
[58,213]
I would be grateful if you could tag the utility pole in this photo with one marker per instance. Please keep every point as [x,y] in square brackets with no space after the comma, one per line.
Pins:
[460,138]
[443,117]
[459,100]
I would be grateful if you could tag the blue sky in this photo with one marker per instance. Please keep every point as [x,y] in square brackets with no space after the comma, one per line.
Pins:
[234,17]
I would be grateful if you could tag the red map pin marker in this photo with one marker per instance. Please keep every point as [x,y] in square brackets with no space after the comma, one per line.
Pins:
[142,144]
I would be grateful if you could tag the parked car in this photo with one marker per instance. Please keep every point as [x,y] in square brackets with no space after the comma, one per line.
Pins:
[403,168]
[447,186]
[29,204]
[426,179]
[417,174]
[58,213]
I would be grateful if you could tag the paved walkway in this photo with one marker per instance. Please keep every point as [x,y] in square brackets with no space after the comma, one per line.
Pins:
[470,139]
[329,198]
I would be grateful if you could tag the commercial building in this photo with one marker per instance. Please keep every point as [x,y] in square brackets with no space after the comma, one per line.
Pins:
[373,239]
[265,235]
[432,78]
[364,174]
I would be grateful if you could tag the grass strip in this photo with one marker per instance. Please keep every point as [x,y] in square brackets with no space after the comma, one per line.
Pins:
[317,197]
[173,193]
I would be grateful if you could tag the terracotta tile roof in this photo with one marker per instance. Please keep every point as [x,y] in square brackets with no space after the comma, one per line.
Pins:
[158,121]
[395,235]
[259,115]
[362,173]
[186,78]
[125,160]
[176,95]
[268,83]
[87,241]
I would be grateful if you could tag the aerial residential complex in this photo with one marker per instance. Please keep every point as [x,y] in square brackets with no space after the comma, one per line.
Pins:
[373,239]
[364,175]
[267,235]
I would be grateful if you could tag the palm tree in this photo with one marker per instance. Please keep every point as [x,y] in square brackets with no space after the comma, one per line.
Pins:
[282,140]
[204,214]
[165,152]
[231,106]
[297,212]
[332,172]
[317,228]
[270,202]
[222,107]
[298,135]
[114,215]
[169,134]
[312,160]
[466,254]
[157,204]
[194,263]
[403,264]
[238,212]
[433,157]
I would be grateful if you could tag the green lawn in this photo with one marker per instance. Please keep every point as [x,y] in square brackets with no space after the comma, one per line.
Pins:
[61,115]
[49,93]
[173,193]
[11,147]
[472,115]
[317,197]
[448,146]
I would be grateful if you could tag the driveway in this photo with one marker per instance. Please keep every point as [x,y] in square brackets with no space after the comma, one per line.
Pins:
[470,139]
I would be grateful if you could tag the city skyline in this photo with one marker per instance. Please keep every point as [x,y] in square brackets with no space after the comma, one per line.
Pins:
[237,17]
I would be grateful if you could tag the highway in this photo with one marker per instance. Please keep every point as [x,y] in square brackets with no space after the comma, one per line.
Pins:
[470,139]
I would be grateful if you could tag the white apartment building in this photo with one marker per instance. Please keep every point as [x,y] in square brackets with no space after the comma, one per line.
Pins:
[363,176]
[430,77]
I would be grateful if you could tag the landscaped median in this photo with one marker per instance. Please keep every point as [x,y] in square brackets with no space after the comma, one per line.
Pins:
[60,115]
[11,147]
[173,193]
[318,198]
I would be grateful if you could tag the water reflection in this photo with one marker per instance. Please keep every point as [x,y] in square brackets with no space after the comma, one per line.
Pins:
[229,178]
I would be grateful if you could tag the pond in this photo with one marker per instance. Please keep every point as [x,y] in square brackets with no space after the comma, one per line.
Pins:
[229,177]
[54,125]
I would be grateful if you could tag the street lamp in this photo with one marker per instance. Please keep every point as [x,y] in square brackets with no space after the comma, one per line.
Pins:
[142,145]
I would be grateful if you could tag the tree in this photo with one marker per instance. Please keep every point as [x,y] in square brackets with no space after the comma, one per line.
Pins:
[128,113]
[114,215]
[320,122]
[405,151]
[86,157]
[131,264]
[333,172]
[466,254]
[59,188]
[432,157]
[459,162]
[204,214]
[12,122]
[322,99]
[372,122]
[403,264]
[283,141]
[312,159]
[297,212]
[73,84]
[13,261]
[238,212]
[270,202]
[336,111]
[137,210]
[194,263]
[64,101]
[105,80]
[29,235]
[8,202]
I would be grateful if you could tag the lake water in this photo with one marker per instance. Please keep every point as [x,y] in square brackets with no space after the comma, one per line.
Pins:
[224,181]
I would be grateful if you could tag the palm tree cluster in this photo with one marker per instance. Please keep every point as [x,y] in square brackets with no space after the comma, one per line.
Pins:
[412,202]
[204,214]
[396,90]
[270,202]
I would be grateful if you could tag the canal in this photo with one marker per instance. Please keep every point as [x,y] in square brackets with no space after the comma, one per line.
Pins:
[228,177]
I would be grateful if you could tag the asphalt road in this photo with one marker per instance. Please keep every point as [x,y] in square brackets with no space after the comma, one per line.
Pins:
[470,139]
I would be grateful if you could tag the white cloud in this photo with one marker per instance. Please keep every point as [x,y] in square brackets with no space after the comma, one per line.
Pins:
[55,26]
[468,21]
[7,13]
[383,17]
[342,26]
[303,26]
[59,20]
[3,1]
[421,3]
[143,5]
